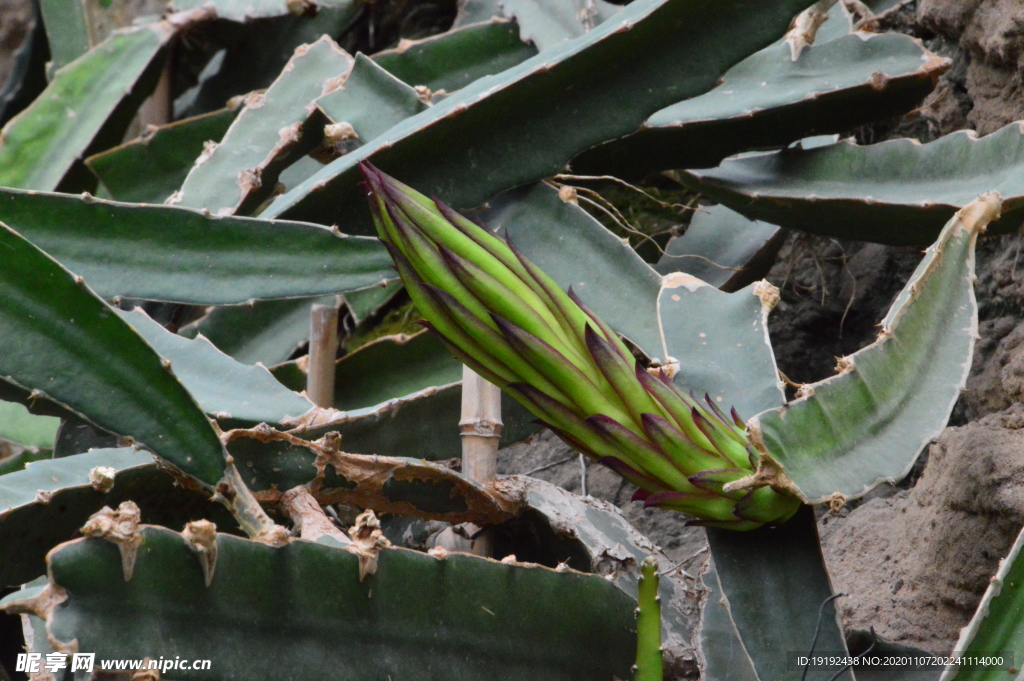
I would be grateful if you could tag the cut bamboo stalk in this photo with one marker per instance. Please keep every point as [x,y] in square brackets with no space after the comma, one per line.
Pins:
[583,476]
[323,348]
[480,426]
[158,109]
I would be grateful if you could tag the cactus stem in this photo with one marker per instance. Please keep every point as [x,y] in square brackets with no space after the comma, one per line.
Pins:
[120,527]
[649,666]
[805,27]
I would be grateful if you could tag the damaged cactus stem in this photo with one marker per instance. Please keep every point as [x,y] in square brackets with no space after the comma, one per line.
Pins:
[308,518]
[121,527]
[515,327]
[239,500]
[976,216]
[805,27]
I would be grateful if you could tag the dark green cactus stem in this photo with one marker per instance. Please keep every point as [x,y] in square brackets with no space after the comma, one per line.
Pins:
[648,624]
[508,321]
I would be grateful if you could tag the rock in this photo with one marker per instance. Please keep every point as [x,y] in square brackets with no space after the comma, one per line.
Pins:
[985,393]
[996,378]
[946,16]
[916,564]
[990,34]
[990,29]
[997,95]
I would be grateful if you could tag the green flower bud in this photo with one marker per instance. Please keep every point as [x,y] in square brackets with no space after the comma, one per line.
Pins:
[507,320]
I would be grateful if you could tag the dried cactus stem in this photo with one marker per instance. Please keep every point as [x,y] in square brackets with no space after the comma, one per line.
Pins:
[648,624]
[121,527]
[308,518]
[976,215]
[254,521]
[805,27]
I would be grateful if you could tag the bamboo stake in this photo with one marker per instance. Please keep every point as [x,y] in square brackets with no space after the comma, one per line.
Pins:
[158,108]
[480,426]
[583,476]
[323,348]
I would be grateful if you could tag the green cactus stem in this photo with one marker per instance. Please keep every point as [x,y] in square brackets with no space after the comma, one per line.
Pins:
[507,320]
[648,624]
